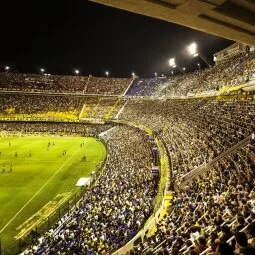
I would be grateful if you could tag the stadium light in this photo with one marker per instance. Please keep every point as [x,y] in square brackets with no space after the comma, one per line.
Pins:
[156,74]
[192,49]
[77,71]
[133,74]
[6,68]
[42,70]
[172,62]
[107,73]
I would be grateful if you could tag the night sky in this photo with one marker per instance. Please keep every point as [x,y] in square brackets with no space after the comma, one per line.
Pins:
[63,35]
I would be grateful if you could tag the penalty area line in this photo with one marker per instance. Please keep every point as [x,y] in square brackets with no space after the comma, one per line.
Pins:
[11,220]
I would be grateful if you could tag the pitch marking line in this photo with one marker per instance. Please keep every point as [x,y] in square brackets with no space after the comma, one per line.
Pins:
[10,221]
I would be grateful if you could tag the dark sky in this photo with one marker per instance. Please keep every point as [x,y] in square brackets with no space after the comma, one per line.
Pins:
[62,35]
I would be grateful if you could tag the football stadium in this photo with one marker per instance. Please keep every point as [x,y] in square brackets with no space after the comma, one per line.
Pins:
[135,164]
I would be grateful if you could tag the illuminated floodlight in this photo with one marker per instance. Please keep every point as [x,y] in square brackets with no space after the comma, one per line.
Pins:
[184,68]
[156,74]
[133,74]
[77,71]
[7,68]
[42,70]
[192,49]
[172,62]
[107,73]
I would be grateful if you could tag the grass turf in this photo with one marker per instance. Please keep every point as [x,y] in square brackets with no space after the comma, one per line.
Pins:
[38,181]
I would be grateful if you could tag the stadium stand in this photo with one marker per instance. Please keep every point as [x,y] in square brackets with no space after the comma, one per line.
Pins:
[83,129]
[194,131]
[212,210]
[31,104]
[107,86]
[102,107]
[39,82]
[233,71]
[146,87]
[61,105]
[63,84]
[117,205]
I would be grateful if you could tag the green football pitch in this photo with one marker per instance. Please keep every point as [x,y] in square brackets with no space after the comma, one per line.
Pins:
[39,179]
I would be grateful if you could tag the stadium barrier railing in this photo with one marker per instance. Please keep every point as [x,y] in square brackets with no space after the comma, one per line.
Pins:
[204,167]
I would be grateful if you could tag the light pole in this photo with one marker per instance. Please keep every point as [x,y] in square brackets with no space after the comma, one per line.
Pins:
[107,73]
[6,68]
[193,51]
[133,75]
[198,64]
[77,72]
[156,74]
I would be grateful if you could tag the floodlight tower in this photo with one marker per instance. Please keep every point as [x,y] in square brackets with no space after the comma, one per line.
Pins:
[77,72]
[107,73]
[42,70]
[6,68]
[193,51]
[172,62]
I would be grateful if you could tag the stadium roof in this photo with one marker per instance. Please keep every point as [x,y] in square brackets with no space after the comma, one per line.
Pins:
[231,19]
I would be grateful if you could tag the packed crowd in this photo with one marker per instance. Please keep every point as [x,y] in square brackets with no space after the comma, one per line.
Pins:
[146,86]
[40,82]
[234,71]
[74,106]
[107,86]
[35,104]
[116,206]
[194,131]
[102,108]
[214,214]
[57,128]
[63,83]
